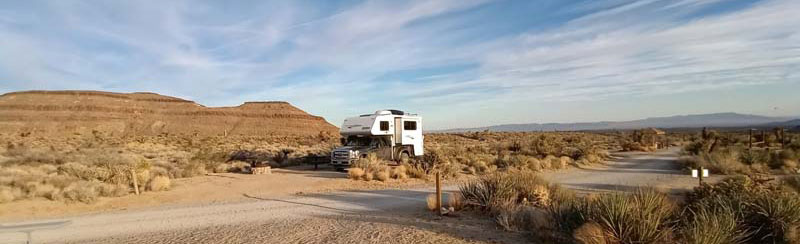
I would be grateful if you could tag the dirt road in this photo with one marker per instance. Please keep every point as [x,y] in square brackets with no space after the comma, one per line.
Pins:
[386,216]
[627,171]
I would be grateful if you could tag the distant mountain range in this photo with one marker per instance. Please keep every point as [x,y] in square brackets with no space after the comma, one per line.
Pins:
[680,121]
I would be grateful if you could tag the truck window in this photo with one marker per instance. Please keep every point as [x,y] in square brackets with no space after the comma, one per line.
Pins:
[410,125]
[385,125]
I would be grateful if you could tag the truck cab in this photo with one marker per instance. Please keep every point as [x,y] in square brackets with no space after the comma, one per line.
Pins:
[390,134]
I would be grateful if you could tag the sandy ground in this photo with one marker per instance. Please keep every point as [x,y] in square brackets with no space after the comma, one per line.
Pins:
[270,210]
[210,189]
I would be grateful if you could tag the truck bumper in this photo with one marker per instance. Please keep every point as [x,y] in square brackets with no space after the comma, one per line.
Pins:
[342,162]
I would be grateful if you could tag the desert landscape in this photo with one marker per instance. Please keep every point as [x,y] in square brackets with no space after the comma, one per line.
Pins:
[86,161]
[411,121]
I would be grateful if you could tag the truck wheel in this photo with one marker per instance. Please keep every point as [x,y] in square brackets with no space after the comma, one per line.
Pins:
[404,157]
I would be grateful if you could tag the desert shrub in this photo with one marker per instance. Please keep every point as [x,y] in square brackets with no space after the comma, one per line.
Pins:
[591,233]
[160,183]
[480,166]
[82,191]
[567,213]
[751,157]
[470,170]
[763,211]
[222,168]
[355,173]
[8,194]
[488,191]
[502,189]
[382,175]
[239,167]
[535,164]
[449,170]
[563,162]
[641,217]
[190,169]
[415,171]
[529,188]
[78,170]
[431,202]
[512,217]
[112,190]
[38,189]
[719,162]
[512,161]
[793,182]
[399,172]
[773,215]
[694,148]
[708,225]
[368,176]
[455,201]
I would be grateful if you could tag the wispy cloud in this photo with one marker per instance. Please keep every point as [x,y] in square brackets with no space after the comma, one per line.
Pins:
[341,58]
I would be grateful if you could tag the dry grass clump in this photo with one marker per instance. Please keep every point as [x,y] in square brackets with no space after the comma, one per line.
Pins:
[415,171]
[372,167]
[8,194]
[382,175]
[431,202]
[455,201]
[160,183]
[399,172]
[368,176]
[355,173]
[591,233]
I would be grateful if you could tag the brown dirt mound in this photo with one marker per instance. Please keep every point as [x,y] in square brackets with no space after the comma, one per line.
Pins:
[133,114]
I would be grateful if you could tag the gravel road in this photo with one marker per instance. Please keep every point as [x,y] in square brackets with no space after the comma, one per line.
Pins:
[387,216]
[627,171]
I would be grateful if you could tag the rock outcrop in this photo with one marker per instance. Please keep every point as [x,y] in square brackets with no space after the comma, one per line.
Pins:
[131,114]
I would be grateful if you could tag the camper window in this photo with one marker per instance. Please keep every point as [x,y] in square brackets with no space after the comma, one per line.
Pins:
[385,125]
[410,125]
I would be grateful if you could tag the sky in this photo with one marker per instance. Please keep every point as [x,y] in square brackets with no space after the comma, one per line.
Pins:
[458,63]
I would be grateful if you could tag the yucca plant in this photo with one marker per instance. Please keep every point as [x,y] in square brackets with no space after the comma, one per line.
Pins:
[488,190]
[645,216]
[773,215]
[713,225]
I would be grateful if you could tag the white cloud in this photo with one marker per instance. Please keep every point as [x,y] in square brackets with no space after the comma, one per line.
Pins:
[224,55]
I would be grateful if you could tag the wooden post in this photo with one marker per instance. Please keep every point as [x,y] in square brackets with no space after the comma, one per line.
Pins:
[750,139]
[438,193]
[135,181]
[700,175]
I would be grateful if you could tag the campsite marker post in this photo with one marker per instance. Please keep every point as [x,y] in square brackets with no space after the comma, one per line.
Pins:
[700,174]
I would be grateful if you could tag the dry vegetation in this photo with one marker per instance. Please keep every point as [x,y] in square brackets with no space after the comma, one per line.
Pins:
[730,153]
[82,168]
[482,153]
[736,210]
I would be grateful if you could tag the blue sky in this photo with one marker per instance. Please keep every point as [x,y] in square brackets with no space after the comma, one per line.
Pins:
[459,63]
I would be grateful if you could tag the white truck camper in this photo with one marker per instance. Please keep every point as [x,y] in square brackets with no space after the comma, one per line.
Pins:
[390,134]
